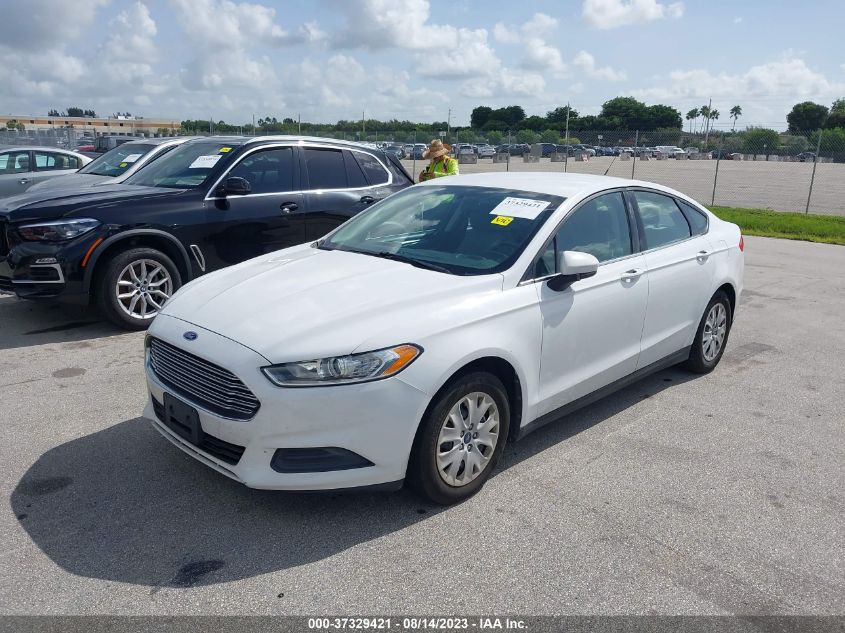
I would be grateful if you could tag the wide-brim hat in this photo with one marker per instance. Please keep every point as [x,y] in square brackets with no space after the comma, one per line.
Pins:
[436,149]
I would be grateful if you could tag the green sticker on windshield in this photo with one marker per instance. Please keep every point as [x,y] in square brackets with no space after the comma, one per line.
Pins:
[123,164]
[223,150]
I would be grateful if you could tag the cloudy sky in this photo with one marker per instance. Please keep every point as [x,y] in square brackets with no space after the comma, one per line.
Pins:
[414,59]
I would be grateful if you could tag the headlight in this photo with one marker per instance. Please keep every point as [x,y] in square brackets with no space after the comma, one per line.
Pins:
[57,230]
[343,370]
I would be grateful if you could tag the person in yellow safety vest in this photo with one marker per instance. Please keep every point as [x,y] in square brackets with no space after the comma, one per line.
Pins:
[441,163]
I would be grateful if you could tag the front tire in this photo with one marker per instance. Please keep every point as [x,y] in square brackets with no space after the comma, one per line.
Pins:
[461,439]
[712,335]
[135,285]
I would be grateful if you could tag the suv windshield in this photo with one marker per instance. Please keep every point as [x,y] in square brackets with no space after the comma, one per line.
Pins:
[118,160]
[456,229]
[185,167]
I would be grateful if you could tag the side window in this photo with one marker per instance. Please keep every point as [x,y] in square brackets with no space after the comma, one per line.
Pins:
[546,264]
[662,219]
[697,220]
[325,168]
[354,175]
[14,162]
[268,171]
[376,175]
[72,162]
[599,227]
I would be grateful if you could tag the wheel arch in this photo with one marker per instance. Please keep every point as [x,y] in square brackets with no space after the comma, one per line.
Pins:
[730,291]
[150,238]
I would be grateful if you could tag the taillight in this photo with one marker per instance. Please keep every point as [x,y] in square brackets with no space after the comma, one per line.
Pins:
[741,244]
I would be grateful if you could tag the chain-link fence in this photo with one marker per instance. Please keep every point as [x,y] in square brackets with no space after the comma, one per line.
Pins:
[754,168]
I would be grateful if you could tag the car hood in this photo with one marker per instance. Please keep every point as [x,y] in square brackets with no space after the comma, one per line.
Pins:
[303,303]
[51,205]
[70,181]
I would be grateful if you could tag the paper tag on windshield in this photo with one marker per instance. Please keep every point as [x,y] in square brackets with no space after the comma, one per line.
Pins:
[204,162]
[132,158]
[520,208]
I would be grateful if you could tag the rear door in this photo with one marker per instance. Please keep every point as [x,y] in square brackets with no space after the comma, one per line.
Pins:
[16,175]
[339,183]
[52,164]
[269,218]
[680,273]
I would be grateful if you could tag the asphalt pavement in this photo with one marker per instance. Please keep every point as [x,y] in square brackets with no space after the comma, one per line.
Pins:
[682,494]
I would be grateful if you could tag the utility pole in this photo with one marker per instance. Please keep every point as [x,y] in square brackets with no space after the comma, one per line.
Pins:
[253,125]
[299,122]
[449,123]
[363,127]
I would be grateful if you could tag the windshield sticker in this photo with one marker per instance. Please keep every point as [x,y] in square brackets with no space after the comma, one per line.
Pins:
[123,165]
[205,162]
[501,220]
[132,158]
[223,150]
[520,208]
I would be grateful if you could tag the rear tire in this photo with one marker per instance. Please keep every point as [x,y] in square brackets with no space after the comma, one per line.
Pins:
[134,286]
[712,335]
[460,439]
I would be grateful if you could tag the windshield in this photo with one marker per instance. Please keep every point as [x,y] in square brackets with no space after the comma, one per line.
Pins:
[116,161]
[185,167]
[461,230]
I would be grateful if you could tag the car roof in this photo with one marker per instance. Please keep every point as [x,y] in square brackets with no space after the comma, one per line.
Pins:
[163,140]
[39,148]
[567,185]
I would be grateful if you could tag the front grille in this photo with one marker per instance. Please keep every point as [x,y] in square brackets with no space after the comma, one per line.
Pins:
[214,446]
[201,382]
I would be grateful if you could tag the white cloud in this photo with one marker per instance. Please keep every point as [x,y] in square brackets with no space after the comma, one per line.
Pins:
[737,20]
[503,34]
[378,24]
[611,14]
[586,63]
[49,24]
[469,55]
[226,24]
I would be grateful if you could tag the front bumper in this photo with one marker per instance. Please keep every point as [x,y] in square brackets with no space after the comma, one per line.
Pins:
[376,420]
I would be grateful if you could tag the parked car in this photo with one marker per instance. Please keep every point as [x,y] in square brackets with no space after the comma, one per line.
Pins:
[106,142]
[206,204]
[564,149]
[485,151]
[416,340]
[724,154]
[417,151]
[463,148]
[23,167]
[670,151]
[585,149]
[547,149]
[396,150]
[808,157]
[516,149]
[114,166]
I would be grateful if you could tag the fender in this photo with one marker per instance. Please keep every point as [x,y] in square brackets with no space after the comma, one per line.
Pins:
[89,269]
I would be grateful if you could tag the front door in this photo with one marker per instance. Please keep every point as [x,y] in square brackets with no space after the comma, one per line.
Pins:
[592,330]
[16,175]
[269,218]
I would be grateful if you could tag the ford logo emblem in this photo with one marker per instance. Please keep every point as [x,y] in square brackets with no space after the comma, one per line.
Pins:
[190,336]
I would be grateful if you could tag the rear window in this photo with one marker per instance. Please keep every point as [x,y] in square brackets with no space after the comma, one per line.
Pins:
[326,169]
[373,169]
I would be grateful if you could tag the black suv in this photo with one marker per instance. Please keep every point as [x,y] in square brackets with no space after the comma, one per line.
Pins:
[206,204]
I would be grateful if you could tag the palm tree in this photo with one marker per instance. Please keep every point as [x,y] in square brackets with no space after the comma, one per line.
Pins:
[704,112]
[736,112]
[691,116]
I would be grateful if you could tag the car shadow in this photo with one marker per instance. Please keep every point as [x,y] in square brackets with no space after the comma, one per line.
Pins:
[123,504]
[28,323]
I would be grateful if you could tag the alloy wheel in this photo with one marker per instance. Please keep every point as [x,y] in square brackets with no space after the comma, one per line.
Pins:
[715,329]
[143,287]
[467,439]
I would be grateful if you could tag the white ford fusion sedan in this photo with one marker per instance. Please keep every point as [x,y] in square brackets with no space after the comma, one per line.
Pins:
[420,336]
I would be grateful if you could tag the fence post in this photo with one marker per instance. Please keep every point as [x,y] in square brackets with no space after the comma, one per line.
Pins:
[813,177]
[634,157]
[414,159]
[716,175]
[508,161]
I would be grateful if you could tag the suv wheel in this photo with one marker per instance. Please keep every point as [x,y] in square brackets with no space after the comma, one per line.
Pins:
[135,286]
[461,439]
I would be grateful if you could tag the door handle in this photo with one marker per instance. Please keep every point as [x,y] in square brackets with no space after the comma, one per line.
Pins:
[287,207]
[23,181]
[632,275]
[367,199]
[702,255]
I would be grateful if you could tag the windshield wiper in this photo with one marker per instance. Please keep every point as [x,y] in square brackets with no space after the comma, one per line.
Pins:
[408,260]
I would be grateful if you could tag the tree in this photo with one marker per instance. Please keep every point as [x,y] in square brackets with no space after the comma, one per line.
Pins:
[53,112]
[466,136]
[480,116]
[527,136]
[632,114]
[760,140]
[836,118]
[806,117]
[832,140]
[512,115]
[662,116]
[550,136]
[558,115]
[495,137]
[12,124]
[736,112]
[692,116]
[495,124]
[74,111]
[704,113]
[535,123]
[714,115]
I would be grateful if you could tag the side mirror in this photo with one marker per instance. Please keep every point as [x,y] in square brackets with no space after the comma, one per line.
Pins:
[234,186]
[573,266]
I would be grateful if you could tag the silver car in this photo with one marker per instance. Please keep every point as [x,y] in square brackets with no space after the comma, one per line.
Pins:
[23,167]
[116,165]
